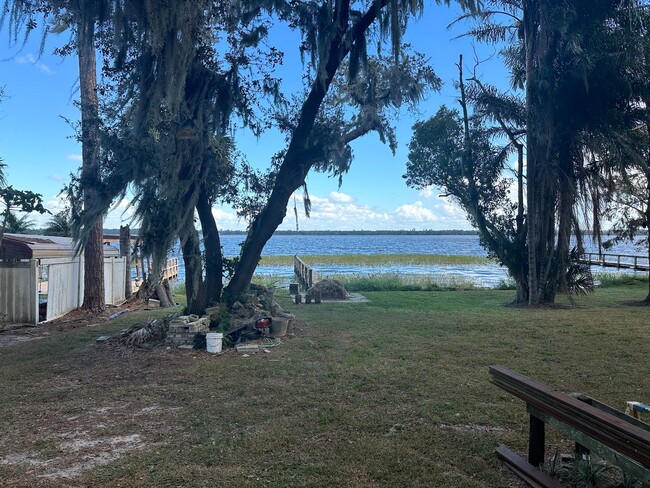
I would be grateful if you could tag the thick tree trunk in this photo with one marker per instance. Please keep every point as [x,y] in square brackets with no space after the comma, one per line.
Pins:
[194,286]
[521,291]
[530,39]
[541,189]
[212,244]
[162,296]
[93,251]
[565,220]
[262,228]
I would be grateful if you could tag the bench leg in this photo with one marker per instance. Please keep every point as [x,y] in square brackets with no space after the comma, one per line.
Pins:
[536,441]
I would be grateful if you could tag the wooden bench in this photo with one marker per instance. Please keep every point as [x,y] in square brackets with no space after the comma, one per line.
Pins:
[596,427]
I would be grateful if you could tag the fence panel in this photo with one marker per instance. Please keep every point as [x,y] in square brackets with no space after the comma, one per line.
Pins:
[19,291]
[65,281]
[114,280]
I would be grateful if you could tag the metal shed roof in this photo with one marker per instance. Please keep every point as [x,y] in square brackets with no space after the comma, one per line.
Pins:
[22,246]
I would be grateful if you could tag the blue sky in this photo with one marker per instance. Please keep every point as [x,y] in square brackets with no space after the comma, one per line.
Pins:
[37,143]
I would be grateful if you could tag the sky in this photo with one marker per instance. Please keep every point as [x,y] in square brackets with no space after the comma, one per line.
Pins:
[37,137]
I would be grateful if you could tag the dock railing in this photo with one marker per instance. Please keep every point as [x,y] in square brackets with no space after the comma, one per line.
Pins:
[171,269]
[626,261]
[306,275]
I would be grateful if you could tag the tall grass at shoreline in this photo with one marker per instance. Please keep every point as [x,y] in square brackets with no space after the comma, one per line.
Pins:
[360,282]
[403,282]
[372,260]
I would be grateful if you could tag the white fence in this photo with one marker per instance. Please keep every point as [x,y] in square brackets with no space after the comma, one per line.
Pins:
[114,280]
[19,287]
[19,291]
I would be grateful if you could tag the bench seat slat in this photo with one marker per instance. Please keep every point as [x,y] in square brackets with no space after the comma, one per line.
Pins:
[531,475]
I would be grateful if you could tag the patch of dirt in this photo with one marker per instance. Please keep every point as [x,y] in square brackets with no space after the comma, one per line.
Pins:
[470,427]
[116,401]
[78,453]
[19,333]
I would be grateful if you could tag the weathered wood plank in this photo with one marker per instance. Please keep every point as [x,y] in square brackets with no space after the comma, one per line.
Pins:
[528,473]
[617,413]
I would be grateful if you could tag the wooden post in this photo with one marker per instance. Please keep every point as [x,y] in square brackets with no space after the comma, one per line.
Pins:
[536,441]
[581,451]
[125,251]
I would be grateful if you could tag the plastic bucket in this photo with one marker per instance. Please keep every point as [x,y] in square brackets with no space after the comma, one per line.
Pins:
[214,341]
[279,326]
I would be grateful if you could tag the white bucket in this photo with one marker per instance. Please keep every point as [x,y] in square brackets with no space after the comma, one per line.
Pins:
[214,341]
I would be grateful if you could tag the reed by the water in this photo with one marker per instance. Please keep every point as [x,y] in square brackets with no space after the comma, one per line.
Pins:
[376,260]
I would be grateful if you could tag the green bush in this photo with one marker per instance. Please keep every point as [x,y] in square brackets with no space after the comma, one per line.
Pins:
[506,284]
[606,280]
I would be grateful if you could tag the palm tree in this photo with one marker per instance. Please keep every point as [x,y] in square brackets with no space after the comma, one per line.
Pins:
[15,225]
[59,225]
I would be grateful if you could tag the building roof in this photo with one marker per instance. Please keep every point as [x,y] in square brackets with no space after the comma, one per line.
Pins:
[23,246]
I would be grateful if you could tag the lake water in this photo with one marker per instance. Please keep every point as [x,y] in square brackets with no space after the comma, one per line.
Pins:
[288,245]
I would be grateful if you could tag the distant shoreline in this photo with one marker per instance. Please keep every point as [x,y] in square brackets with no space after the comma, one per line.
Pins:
[364,232]
[451,232]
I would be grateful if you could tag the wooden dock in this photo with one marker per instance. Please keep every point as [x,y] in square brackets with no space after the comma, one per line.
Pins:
[171,269]
[620,261]
[306,275]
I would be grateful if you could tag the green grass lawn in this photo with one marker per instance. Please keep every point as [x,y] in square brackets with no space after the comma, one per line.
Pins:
[391,393]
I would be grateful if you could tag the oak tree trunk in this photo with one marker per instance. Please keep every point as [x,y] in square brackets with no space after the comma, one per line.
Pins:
[212,245]
[194,285]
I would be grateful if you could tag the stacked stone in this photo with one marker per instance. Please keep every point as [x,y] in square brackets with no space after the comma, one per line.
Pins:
[183,329]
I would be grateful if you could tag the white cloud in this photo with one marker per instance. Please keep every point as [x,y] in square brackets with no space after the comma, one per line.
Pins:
[428,192]
[57,178]
[331,213]
[33,60]
[416,212]
[118,215]
[74,157]
[327,213]
[340,197]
